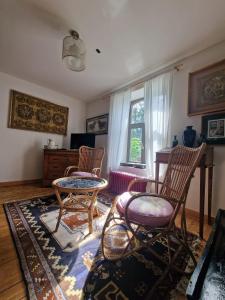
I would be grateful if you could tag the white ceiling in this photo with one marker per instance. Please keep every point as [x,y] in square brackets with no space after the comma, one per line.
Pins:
[134,36]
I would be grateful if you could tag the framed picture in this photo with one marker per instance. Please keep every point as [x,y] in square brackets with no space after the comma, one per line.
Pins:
[97,125]
[31,113]
[207,90]
[213,128]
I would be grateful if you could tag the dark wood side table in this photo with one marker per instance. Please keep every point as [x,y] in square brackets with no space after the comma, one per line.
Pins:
[162,157]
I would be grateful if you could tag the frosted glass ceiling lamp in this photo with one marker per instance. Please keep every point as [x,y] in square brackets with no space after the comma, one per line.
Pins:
[73,53]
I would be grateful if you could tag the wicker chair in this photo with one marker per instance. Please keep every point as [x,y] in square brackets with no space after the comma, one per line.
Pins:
[148,217]
[90,162]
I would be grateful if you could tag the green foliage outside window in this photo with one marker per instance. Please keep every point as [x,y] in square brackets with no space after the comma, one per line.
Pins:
[136,132]
[135,149]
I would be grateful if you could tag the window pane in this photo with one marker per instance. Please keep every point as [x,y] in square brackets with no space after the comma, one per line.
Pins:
[137,112]
[137,94]
[135,145]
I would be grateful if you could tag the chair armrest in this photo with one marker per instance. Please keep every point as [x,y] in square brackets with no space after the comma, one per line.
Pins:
[69,169]
[96,171]
[137,180]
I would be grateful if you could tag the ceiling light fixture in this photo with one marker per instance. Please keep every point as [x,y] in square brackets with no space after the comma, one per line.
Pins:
[73,53]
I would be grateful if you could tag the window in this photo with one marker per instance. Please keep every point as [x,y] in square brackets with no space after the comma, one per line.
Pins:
[140,121]
[136,129]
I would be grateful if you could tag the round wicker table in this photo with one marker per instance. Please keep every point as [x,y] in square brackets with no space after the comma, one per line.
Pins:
[81,195]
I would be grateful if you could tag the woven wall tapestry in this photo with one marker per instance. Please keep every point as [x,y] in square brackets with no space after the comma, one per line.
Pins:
[31,113]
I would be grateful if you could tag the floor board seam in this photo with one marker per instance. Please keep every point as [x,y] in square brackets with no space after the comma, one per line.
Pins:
[11,286]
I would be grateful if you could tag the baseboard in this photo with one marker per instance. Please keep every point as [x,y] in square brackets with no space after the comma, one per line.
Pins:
[20,182]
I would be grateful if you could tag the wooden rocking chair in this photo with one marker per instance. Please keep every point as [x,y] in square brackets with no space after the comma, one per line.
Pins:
[150,217]
[90,162]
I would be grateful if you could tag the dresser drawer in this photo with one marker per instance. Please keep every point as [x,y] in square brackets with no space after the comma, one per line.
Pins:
[56,159]
[55,175]
[72,161]
[56,168]
[65,160]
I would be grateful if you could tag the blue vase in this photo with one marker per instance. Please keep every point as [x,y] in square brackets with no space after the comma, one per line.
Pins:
[189,136]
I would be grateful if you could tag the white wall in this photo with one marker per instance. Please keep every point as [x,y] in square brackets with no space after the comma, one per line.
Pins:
[97,108]
[180,120]
[21,154]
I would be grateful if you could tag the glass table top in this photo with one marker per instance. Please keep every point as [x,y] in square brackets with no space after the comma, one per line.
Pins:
[81,183]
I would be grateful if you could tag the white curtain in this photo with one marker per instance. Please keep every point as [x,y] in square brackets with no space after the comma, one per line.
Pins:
[157,117]
[117,133]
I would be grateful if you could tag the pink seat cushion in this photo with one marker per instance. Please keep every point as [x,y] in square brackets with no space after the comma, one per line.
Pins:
[85,174]
[146,210]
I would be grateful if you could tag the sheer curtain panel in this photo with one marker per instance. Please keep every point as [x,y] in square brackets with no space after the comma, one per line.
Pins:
[157,117]
[118,124]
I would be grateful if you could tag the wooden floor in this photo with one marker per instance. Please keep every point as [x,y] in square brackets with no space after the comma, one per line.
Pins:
[11,280]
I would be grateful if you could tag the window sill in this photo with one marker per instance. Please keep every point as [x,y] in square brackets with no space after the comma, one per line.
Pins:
[133,165]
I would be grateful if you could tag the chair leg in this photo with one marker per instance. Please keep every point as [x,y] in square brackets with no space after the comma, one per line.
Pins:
[184,225]
[97,211]
[90,220]
[58,221]
[188,250]
[132,244]
[184,240]
[167,269]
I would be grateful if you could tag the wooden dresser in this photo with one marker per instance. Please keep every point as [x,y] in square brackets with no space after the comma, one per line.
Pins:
[55,163]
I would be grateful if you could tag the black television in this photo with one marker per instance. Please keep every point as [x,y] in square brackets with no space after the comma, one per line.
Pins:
[82,139]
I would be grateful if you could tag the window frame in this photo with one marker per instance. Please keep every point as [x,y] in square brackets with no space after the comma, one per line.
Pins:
[130,127]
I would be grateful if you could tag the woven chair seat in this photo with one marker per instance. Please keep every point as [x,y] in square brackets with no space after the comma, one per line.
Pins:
[146,210]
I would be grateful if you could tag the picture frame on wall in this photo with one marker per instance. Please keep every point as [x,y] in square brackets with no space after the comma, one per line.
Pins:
[206,93]
[213,128]
[98,125]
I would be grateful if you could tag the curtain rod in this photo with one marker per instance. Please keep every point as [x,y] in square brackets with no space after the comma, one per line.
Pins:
[176,66]
[154,74]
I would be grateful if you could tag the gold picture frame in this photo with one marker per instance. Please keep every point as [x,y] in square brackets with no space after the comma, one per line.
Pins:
[206,92]
[31,113]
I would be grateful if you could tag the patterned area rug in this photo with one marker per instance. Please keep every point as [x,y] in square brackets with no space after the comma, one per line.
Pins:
[69,264]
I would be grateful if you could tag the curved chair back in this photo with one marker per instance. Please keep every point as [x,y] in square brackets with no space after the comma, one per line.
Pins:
[181,166]
[90,158]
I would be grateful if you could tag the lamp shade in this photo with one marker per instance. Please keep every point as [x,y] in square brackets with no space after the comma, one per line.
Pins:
[73,54]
